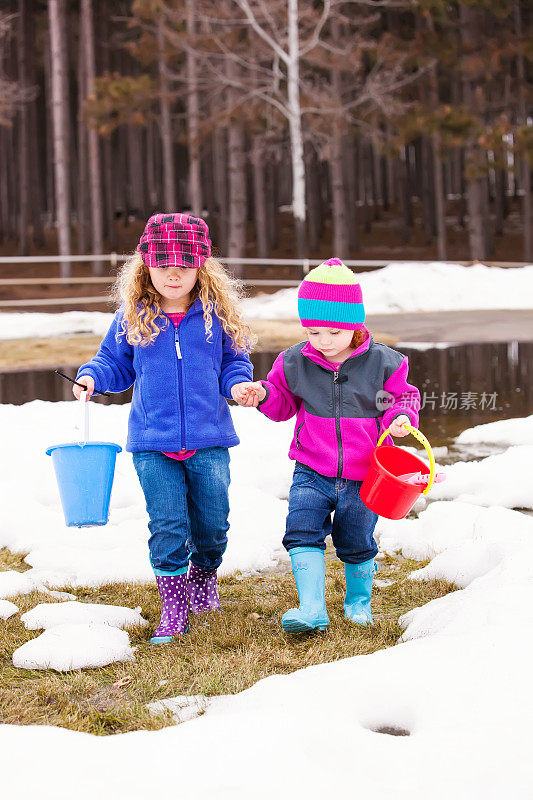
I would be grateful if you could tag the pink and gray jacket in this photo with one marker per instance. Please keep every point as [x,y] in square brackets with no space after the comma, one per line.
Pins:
[340,412]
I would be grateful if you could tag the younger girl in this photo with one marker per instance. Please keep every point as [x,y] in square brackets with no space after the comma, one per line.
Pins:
[344,389]
[180,340]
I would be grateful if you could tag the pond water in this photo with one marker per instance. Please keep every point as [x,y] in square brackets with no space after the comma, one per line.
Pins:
[460,385]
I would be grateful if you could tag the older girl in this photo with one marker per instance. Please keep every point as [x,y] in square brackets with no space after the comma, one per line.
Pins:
[179,338]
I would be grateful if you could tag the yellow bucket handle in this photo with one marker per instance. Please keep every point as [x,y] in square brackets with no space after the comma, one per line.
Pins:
[422,439]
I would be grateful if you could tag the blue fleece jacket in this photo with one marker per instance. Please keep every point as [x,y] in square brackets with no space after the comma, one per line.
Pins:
[179,383]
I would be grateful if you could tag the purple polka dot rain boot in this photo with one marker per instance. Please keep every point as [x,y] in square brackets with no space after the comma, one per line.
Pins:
[202,590]
[174,607]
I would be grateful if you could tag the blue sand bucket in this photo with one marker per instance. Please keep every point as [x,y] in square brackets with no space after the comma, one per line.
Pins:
[85,475]
[85,472]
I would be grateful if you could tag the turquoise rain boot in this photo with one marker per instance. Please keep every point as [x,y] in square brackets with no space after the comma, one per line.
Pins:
[359,578]
[309,570]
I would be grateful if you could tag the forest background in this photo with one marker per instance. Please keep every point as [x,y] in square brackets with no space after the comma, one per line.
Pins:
[356,128]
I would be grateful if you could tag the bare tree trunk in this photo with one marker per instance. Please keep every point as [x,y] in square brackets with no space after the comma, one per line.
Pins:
[498,201]
[350,177]
[336,166]
[424,155]
[151,182]
[221,186]
[49,139]
[38,169]
[339,206]
[167,140]
[272,194]
[260,212]
[136,171]
[24,48]
[95,182]
[193,117]
[438,186]
[13,186]
[405,195]
[59,98]
[237,193]
[525,168]
[4,199]
[477,202]
[440,217]
[377,181]
[237,180]
[83,181]
[295,128]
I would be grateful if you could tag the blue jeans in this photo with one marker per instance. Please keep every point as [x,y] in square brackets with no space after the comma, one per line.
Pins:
[187,502]
[312,499]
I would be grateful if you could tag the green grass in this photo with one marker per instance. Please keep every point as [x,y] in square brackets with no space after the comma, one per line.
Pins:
[222,653]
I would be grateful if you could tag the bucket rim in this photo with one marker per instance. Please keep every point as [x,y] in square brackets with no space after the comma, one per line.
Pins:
[53,447]
[391,474]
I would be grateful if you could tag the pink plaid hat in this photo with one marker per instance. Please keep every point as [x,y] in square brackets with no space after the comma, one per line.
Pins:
[175,240]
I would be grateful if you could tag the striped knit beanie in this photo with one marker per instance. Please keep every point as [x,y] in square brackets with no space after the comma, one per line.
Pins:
[330,296]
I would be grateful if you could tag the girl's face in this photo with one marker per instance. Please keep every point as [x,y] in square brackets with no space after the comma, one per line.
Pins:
[174,284]
[331,342]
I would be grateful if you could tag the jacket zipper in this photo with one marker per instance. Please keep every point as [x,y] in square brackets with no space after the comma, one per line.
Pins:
[337,409]
[179,361]
[298,429]
[180,386]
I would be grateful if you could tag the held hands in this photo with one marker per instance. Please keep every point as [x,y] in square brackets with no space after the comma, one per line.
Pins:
[396,427]
[88,382]
[248,395]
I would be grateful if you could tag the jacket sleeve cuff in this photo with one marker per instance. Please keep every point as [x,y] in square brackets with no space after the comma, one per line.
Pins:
[96,376]
[390,415]
[231,382]
[265,398]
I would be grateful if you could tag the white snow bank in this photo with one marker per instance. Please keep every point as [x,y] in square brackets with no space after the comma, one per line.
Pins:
[7,609]
[118,552]
[67,647]
[460,685]
[493,562]
[503,479]
[504,432]
[464,541]
[48,615]
[399,287]
[68,323]
[411,287]
[463,700]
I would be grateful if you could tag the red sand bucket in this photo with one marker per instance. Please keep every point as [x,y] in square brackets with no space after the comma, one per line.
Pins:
[383,491]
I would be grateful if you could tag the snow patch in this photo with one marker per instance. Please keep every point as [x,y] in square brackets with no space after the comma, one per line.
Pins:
[7,609]
[183,708]
[48,615]
[68,647]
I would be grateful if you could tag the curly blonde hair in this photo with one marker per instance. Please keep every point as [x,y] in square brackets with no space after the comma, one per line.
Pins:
[219,292]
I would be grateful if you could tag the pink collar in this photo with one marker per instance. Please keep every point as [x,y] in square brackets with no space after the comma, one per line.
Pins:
[317,357]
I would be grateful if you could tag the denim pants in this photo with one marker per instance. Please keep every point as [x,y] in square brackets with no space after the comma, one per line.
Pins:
[312,499]
[187,502]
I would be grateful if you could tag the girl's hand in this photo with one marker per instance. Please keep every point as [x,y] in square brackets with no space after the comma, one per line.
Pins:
[396,427]
[248,395]
[88,382]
